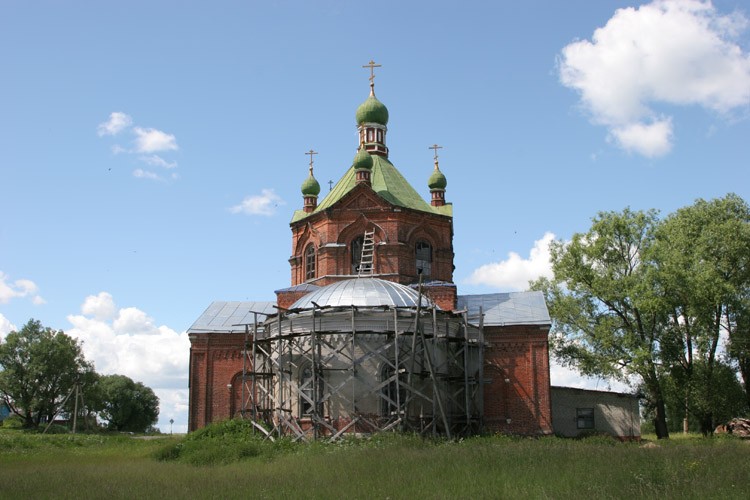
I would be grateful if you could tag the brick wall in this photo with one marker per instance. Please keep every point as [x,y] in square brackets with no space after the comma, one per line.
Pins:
[216,361]
[517,396]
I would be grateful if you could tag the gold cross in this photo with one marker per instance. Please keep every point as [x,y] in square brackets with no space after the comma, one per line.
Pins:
[311,153]
[372,67]
[435,147]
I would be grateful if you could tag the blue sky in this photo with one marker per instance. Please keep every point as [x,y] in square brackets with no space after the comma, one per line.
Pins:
[131,133]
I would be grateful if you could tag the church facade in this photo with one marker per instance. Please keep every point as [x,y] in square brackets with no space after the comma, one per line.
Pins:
[372,335]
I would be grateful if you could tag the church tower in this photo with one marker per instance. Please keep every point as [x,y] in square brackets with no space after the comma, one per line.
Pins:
[373,206]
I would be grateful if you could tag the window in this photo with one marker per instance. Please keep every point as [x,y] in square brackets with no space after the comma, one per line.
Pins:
[356,248]
[310,262]
[306,391]
[424,258]
[584,418]
[391,393]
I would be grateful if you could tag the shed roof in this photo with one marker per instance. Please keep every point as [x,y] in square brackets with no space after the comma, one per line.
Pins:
[512,308]
[229,317]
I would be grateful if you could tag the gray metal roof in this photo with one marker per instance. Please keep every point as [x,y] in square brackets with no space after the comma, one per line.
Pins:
[362,292]
[513,308]
[226,317]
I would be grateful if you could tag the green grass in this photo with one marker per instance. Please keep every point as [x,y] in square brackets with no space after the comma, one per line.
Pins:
[235,464]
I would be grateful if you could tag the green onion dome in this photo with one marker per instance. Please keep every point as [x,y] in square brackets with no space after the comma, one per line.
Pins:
[372,111]
[437,180]
[310,187]
[362,160]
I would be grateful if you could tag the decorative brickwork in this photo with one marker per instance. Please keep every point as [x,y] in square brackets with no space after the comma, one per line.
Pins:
[397,232]
[215,377]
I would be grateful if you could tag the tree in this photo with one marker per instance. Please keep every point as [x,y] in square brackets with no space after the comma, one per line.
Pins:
[127,405]
[703,252]
[608,316]
[39,368]
[636,296]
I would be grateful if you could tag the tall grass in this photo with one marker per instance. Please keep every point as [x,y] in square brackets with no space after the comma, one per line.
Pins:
[386,466]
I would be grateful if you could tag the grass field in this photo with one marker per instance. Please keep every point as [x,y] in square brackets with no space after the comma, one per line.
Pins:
[388,466]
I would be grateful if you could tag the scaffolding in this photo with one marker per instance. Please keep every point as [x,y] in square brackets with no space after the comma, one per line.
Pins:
[326,372]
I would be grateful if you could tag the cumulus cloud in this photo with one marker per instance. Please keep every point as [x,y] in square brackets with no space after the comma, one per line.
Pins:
[668,52]
[264,203]
[6,326]
[127,341]
[100,306]
[158,161]
[515,272]
[117,122]
[18,289]
[150,140]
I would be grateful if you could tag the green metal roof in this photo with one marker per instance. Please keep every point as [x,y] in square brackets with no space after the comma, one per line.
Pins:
[388,183]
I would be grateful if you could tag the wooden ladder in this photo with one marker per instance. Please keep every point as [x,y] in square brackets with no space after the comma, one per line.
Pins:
[368,250]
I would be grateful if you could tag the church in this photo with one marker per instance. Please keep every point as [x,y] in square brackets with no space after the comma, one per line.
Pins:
[372,334]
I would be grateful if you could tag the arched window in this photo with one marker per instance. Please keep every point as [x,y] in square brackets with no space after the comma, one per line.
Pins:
[310,262]
[306,391]
[356,248]
[423,252]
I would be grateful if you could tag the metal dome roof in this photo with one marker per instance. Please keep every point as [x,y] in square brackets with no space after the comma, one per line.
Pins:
[362,292]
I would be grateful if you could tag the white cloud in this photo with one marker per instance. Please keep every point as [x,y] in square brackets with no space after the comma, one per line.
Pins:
[150,140]
[5,326]
[668,52]
[515,272]
[157,161]
[117,149]
[100,306]
[259,204]
[649,140]
[18,289]
[117,123]
[127,341]
[145,174]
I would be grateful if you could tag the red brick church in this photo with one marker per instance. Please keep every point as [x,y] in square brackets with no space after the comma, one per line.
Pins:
[372,334]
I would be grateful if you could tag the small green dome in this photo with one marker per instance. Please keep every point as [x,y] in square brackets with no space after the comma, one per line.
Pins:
[372,111]
[437,180]
[310,187]
[362,160]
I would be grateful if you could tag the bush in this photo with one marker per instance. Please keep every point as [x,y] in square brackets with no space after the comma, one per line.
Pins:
[13,422]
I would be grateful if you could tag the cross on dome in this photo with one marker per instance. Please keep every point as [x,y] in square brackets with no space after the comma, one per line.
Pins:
[435,147]
[311,153]
[372,67]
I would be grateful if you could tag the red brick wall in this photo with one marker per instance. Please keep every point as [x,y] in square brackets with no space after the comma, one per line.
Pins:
[443,295]
[215,362]
[397,231]
[517,397]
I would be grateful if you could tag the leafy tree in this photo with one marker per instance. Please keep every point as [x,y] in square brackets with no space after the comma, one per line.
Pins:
[608,317]
[127,405]
[39,368]
[725,400]
[703,252]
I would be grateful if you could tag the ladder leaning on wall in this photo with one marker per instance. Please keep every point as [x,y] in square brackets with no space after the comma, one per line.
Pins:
[368,250]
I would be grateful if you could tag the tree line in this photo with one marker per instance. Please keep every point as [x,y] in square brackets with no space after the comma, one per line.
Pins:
[662,303]
[41,368]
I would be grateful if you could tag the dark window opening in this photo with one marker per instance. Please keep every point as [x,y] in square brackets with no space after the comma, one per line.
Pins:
[391,394]
[356,249]
[310,262]
[306,391]
[424,258]
[585,418]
